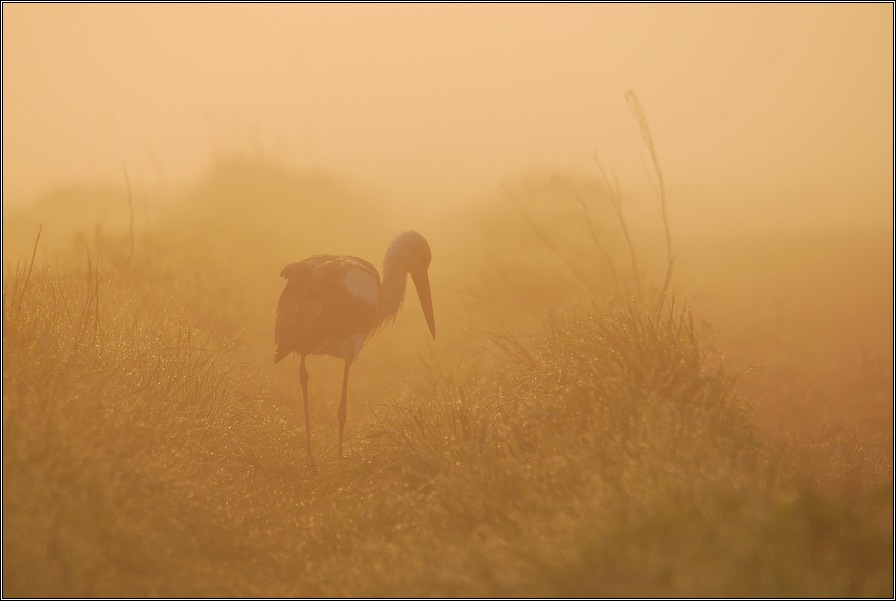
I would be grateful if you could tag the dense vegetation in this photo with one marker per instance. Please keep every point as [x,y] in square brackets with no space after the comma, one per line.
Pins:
[597,448]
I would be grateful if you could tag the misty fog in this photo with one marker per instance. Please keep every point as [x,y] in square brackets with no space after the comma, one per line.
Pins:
[664,353]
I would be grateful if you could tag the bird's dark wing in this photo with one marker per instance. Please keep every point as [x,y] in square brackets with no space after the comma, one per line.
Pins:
[291,309]
[326,302]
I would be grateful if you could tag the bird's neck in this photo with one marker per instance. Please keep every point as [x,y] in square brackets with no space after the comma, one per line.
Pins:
[392,289]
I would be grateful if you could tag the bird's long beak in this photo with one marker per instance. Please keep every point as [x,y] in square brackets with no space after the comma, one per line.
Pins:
[421,282]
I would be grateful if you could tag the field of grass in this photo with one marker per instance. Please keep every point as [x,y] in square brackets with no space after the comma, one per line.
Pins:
[578,442]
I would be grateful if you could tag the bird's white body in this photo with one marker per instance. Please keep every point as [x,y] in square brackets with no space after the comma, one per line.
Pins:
[362,284]
[332,304]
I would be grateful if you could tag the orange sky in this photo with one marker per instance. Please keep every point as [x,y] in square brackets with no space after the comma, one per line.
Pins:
[440,102]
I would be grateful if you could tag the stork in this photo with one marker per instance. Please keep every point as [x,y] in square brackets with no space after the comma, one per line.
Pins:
[331,304]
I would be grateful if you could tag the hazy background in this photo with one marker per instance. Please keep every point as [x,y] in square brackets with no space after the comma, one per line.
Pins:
[563,436]
[778,113]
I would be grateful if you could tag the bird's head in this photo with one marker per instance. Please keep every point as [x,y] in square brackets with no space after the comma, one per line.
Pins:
[412,252]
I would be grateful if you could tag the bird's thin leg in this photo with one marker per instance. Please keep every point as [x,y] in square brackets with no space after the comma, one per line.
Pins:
[303,378]
[348,364]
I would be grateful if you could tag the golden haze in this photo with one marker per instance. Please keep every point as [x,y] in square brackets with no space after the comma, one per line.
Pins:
[755,107]
[563,436]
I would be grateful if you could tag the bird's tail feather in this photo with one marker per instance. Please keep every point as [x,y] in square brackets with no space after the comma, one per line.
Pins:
[279,353]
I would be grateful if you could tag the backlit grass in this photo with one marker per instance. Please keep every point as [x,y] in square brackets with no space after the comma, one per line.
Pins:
[595,449]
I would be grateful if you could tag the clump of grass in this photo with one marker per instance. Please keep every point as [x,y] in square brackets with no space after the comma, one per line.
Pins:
[604,385]
[106,420]
[611,457]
